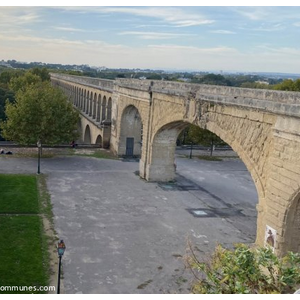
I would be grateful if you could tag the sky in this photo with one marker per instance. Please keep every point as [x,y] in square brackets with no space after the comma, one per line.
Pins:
[195,38]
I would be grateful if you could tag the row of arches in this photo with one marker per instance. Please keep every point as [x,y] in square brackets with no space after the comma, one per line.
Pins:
[157,151]
[88,139]
[93,104]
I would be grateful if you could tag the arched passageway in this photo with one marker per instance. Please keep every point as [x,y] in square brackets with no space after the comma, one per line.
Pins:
[87,135]
[130,143]
[215,191]
[99,141]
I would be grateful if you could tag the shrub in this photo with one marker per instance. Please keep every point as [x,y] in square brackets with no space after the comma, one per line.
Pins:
[245,270]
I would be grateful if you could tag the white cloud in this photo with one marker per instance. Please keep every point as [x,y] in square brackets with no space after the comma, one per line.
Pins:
[14,16]
[146,35]
[70,29]
[223,31]
[171,15]
[253,13]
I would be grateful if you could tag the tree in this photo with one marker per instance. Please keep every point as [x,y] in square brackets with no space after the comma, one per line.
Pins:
[214,79]
[42,73]
[41,112]
[21,83]
[255,85]
[196,135]
[288,85]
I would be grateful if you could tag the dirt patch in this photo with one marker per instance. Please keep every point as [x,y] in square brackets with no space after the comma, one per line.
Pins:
[50,235]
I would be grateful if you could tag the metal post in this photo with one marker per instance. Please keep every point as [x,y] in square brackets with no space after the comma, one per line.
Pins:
[60,251]
[39,160]
[58,281]
[191,150]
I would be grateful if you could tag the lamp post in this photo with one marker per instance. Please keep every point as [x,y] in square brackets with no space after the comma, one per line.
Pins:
[60,251]
[39,144]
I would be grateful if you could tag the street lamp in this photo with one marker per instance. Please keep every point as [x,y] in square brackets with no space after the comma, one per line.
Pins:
[39,144]
[60,251]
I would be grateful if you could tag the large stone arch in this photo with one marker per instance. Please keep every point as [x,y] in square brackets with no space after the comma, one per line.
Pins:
[162,152]
[131,132]
[290,239]
[87,139]
[161,164]
[228,138]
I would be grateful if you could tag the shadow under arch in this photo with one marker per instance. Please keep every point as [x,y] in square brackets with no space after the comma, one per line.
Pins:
[131,133]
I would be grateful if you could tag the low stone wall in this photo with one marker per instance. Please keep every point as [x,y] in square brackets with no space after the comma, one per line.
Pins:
[104,84]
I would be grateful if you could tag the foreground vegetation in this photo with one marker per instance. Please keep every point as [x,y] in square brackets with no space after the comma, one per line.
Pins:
[23,245]
[245,271]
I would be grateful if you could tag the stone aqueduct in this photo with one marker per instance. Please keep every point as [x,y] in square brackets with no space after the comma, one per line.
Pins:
[145,117]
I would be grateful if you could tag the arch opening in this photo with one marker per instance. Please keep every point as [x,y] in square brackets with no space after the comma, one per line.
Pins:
[130,143]
[98,119]
[87,135]
[103,109]
[218,185]
[94,106]
[99,141]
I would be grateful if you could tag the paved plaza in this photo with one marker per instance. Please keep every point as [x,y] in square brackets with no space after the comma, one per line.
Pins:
[126,235]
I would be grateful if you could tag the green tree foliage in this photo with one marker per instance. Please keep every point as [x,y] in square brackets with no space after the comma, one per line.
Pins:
[41,112]
[214,79]
[5,95]
[42,73]
[7,75]
[255,85]
[12,80]
[288,85]
[245,271]
[21,83]
[198,136]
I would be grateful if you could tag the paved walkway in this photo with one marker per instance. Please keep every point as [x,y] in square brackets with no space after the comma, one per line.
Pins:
[125,235]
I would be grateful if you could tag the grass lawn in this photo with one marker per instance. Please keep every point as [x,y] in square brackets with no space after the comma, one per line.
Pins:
[18,194]
[23,249]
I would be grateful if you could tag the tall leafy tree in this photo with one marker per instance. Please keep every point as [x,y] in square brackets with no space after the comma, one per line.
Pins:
[40,112]
[199,136]
[288,85]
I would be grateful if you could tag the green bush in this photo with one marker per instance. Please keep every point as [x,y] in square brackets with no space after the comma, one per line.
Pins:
[244,270]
